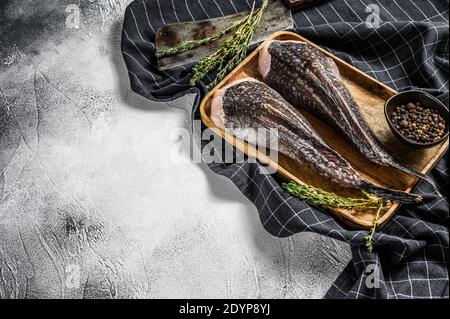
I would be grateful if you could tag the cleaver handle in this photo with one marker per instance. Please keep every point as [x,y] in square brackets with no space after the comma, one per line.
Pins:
[301,4]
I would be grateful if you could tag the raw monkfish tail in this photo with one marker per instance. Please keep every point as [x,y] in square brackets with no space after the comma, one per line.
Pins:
[424,177]
[395,195]
[310,80]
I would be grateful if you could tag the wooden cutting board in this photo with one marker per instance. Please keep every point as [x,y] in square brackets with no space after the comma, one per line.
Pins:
[371,95]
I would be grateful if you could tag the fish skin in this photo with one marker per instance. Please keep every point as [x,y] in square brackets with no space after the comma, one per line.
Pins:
[310,80]
[250,104]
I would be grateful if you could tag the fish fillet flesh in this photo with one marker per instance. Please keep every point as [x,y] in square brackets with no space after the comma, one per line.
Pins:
[247,105]
[311,81]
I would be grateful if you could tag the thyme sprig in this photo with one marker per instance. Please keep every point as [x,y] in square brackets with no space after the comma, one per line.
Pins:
[321,198]
[369,237]
[192,44]
[231,52]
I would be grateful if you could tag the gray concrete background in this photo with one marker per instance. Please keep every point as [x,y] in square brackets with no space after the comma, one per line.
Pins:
[87,187]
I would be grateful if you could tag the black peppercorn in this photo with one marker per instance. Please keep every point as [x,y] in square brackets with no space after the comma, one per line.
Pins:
[418,123]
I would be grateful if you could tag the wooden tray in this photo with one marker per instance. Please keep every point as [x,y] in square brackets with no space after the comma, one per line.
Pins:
[370,95]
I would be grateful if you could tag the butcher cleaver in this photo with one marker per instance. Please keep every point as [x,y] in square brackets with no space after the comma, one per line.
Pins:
[276,18]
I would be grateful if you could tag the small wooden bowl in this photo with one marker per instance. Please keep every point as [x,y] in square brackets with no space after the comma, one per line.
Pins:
[414,96]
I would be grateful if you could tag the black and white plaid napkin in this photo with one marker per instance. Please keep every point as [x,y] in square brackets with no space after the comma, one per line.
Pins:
[409,49]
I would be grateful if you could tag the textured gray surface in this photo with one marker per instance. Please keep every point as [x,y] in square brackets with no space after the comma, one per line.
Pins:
[86,184]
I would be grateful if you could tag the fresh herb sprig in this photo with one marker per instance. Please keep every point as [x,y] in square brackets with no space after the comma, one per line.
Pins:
[321,198]
[231,52]
[192,44]
[369,238]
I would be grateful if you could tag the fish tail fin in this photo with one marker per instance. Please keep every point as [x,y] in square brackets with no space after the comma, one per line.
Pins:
[395,195]
[415,173]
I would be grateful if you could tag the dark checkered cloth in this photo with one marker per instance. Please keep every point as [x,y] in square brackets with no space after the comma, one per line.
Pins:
[410,49]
